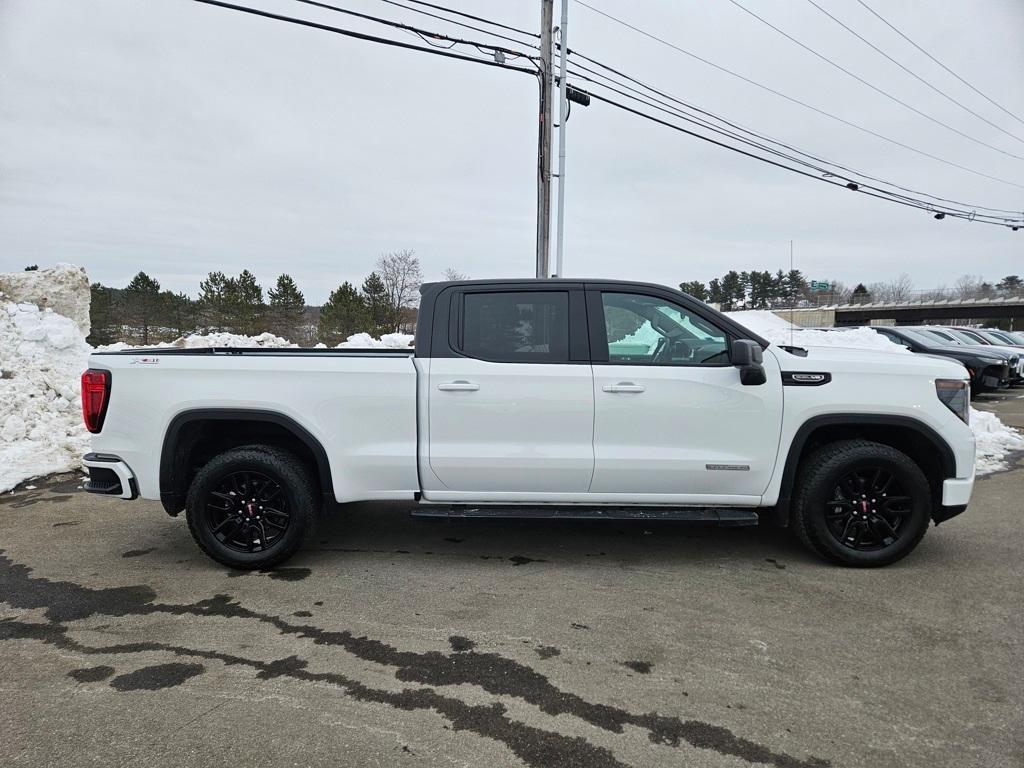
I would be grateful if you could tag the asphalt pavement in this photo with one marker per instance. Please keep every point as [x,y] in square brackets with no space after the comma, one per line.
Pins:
[395,641]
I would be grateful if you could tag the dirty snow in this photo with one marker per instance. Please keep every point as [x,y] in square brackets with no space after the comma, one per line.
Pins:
[994,441]
[42,355]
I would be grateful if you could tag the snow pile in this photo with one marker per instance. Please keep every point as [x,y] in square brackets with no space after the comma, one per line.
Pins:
[783,333]
[994,440]
[387,341]
[63,288]
[42,355]
[224,339]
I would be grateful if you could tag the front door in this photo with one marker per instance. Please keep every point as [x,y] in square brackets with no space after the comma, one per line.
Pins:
[511,404]
[672,421]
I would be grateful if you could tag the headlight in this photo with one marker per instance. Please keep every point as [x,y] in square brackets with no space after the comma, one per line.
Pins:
[955,394]
[992,360]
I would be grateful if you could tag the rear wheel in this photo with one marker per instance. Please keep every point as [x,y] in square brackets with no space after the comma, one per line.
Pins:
[251,507]
[861,503]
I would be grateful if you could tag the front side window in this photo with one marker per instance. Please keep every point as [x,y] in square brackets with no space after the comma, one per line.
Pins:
[516,327]
[645,330]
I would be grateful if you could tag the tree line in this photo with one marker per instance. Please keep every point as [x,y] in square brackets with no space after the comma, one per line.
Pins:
[764,290]
[144,313]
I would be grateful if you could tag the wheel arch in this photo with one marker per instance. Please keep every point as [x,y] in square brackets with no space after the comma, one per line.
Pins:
[904,433]
[189,441]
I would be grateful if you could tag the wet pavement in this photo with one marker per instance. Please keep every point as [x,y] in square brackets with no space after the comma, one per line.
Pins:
[394,641]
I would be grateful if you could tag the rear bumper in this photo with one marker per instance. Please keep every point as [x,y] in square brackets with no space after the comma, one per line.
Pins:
[109,476]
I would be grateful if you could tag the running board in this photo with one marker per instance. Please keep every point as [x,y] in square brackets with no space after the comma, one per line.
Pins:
[719,515]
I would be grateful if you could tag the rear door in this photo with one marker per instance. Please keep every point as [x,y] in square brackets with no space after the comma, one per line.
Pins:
[672,421]
[510,395]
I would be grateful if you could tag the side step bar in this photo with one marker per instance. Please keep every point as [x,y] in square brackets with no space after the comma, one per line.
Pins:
[719,515]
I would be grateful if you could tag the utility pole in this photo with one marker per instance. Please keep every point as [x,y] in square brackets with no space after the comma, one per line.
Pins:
[563,115]
[544,144]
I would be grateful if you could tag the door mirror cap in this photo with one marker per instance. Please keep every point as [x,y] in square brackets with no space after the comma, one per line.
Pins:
[747,356]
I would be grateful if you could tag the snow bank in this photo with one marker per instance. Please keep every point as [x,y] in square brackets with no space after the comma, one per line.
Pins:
[387,341]
[994,441]
[781,332]
[42,355]
[63,288]
[223,339]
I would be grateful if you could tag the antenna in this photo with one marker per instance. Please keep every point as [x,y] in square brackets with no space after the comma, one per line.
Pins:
[792,294]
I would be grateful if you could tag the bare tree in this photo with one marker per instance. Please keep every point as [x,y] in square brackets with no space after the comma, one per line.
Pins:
[894,291]
[401,274]
[900,288]
[452,274]
[967,286]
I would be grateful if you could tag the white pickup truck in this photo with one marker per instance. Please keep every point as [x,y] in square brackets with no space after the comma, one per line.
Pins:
[540,398]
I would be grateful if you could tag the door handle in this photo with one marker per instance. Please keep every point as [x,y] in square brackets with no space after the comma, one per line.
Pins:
[459,386]
[623,386]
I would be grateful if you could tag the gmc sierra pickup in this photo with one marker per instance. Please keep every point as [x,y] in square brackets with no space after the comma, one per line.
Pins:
[540,398]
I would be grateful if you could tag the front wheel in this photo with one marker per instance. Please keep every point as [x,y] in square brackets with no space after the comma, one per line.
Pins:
[861,503]
[251,507]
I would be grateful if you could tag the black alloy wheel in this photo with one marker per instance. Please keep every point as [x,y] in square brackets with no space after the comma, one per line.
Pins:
[867,510]
[248,511]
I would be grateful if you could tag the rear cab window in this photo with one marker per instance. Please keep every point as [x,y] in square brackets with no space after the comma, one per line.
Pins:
[514,326]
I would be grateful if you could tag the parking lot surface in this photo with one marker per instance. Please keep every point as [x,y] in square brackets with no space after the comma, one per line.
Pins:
[394,641]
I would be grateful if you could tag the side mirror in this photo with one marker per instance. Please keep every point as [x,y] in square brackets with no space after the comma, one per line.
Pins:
[748,356]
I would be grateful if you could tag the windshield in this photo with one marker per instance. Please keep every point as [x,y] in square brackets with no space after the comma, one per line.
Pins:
[940,336]
[998,338]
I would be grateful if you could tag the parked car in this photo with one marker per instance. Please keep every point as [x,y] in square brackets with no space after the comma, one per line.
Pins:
[961,337]
[523,398]
[989,369]
[999,336]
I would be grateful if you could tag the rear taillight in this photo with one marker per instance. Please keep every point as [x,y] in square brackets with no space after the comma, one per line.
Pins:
[95,394]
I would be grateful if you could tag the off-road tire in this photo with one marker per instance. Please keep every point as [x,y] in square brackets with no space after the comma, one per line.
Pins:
[817,480]
[298,488]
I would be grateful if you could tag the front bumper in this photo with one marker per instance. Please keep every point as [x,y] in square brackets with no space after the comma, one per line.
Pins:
[109,476]
[956,494]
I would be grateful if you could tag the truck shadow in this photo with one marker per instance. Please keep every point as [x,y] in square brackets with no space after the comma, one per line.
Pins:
[391,530]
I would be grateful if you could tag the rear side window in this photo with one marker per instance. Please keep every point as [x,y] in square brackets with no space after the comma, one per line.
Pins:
[516,327]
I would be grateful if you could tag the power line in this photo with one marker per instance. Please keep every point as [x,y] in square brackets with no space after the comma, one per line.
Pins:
[849,182]
[366,37]
[474,18]
[909,203]
[796,101]
[423,34]
[463,24]
[954,74]
[914,74]
[751,132]
[872,86]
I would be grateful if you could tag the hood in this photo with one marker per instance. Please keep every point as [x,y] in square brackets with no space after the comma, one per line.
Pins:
[857,360]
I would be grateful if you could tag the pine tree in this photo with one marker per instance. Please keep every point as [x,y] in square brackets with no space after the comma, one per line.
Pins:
[248,309]
[104,328]
[715,293]
[732,290]
[1010,284]
[378,309]
[695,288]
[344,314]
[860,295]
[142,305]
[287,308]
[179,312]
[214,296]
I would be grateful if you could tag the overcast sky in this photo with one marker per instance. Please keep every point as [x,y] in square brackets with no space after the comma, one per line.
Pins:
[177,138]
